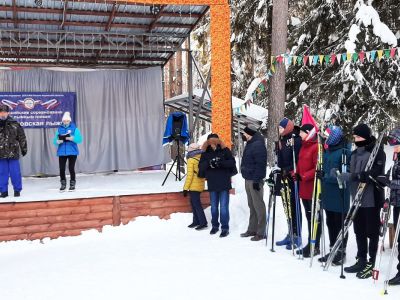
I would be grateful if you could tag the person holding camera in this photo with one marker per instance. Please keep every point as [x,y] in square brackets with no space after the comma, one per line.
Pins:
[254,168]
[218,165]
[12,141]
[67,138]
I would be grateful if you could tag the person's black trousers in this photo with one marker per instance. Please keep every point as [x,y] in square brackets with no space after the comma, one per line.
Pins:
[198,213]
[307,209]
[366,228]
[396,211]
[62,160]
[334,224]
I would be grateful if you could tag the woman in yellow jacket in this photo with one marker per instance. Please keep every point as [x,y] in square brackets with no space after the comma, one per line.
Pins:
[194,186]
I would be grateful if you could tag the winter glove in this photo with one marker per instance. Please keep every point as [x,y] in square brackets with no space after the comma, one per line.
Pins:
[270,181]
[60,142]
[185,193]
[383,180]
[363,176]
[333,173]
[256,186]
[297,177]
[320,174]
[345,177]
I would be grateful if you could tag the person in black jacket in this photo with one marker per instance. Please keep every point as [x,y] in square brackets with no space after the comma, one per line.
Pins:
[367,221]
[218,165]
[12,140]
[253,168]
[394,140]
[286,165]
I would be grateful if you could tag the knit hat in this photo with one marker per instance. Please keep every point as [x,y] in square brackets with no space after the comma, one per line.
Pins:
[4,108]
[66,116]
[362,130]
[193,147]
[394,137]
[335,136]
[306,128]
[212,136]
[250,130]
[286,124]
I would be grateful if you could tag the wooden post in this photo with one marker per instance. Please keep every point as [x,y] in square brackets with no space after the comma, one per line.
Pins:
[116,212]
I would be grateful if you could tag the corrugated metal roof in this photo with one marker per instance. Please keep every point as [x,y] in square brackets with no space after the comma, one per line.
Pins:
[93,31]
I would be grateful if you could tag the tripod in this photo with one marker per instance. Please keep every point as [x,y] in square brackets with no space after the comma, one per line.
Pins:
[179,162]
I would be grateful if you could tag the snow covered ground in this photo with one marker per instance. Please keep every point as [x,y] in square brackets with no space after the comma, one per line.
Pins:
[163,259]
[97,185]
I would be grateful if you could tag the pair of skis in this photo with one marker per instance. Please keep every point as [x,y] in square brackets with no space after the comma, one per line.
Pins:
[355,205]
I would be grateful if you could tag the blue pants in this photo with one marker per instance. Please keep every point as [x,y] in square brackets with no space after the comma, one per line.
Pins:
[10,168]
[220,201]
[199,217]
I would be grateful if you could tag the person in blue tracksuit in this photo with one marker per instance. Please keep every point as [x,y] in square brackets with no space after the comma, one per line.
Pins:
[12,144]
[67,138]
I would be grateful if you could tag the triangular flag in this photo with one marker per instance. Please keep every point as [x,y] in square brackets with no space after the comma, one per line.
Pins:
[273,68]
[355,57]
[327,59]
[333,59]
[392,52]
[398,52]
[373,55]
[289,60]
[308,119]
[362,56]
[387,53]
[305,59]
[300,60]
[315,60]
[310,60]
[269,73]
[279,59]
[348,56]
[338,58]
[294,60]
[321,59]
[368,55]
[380,54]
[343,57]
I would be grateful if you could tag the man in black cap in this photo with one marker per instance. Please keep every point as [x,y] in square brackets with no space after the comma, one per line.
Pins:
[12,140]
[253,167]
[367,220]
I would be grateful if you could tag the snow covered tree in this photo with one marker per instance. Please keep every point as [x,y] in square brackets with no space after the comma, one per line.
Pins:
[360,91]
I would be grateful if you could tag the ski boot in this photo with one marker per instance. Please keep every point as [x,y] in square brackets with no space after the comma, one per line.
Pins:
[296,243]
[357,267]
[366,272]
[337,260]
[284,242]
[395,280]
[4,194]
[17,194]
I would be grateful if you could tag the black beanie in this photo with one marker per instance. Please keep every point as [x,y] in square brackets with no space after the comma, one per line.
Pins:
[363,131]
[4,108]
[306,128]
[250,130]
[212,136]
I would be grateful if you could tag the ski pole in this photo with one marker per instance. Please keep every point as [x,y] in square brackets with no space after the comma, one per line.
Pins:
[395,246]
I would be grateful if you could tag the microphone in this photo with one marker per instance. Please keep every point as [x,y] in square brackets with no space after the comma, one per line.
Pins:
[338,180]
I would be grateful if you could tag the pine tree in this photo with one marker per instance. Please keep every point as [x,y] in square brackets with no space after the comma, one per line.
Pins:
[364,92]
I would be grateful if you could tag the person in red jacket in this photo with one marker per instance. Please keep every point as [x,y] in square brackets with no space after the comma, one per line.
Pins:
[307,162]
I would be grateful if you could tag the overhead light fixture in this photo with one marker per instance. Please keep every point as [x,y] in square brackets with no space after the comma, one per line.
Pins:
[155,9]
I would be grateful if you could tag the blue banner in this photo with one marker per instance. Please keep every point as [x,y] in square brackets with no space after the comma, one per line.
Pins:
[39,110]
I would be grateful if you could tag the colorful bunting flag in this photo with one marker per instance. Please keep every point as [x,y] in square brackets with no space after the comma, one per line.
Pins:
[368,55]
[305,59]
[373,55]
[361,55]
[321,59]
[338,58]
[355,57]
[387,54]
[310,60]
[380,54]
[348,57]
[333,59]
[393,52]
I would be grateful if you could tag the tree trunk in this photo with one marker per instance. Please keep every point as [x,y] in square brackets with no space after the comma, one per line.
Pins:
[276,108]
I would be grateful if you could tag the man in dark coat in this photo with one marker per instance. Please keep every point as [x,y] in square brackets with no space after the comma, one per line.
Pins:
[288,142]
[253,168]
[367,220]
[12,140]
[218,165]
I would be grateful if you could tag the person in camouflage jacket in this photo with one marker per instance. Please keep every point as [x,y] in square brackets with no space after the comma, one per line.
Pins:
[12,144]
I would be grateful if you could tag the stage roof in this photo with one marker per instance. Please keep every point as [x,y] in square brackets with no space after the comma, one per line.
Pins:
[93,33]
